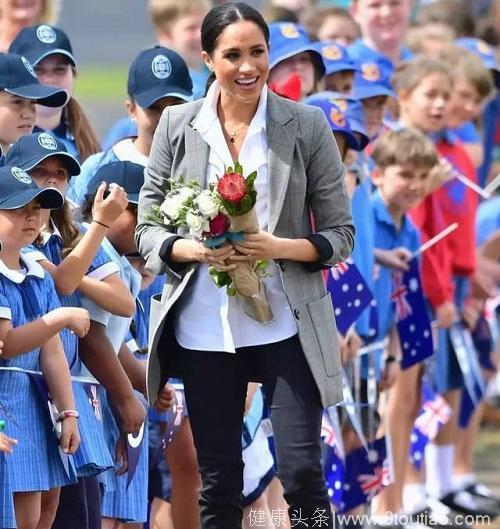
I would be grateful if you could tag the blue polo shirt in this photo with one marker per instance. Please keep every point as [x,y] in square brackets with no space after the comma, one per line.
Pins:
[388,237]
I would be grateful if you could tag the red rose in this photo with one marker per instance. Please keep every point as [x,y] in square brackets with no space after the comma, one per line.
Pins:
[232,187]
[219,225]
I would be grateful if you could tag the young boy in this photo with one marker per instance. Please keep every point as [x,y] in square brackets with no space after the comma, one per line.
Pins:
[340,68]
[403,160]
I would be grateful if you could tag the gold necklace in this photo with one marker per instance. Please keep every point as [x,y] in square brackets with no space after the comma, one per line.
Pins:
[232,135]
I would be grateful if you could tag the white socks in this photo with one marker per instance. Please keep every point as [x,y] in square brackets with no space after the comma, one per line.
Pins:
[461,481]
[414,498]
[439,461]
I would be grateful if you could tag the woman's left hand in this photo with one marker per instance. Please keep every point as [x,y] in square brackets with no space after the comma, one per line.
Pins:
[255,246]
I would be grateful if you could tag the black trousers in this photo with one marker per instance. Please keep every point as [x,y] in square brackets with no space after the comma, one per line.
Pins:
[215,387]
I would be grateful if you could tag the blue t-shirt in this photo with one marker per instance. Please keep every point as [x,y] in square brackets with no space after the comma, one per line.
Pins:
[388,237]
[468,133]
[487,219]
[491,138]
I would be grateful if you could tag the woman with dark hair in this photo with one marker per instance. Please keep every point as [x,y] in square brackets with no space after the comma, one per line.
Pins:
[204,336]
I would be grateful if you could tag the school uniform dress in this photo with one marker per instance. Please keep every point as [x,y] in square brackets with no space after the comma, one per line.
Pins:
[92,456]
[118,501]
[35,464]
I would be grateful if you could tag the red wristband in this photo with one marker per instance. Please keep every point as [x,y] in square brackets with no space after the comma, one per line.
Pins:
[67,413]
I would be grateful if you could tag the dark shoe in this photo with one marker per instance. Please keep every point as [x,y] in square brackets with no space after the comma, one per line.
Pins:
[440,516]
[466,503]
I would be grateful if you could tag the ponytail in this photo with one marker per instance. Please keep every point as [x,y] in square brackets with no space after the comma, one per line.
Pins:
[210,80]
[85,137]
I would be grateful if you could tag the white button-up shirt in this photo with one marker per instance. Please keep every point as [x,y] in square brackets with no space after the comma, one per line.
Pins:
[209,320]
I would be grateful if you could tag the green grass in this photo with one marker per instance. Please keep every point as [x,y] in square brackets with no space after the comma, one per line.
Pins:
[100,83]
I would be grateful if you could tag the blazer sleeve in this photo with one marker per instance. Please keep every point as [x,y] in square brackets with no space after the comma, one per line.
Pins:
[154,240]
[327,195]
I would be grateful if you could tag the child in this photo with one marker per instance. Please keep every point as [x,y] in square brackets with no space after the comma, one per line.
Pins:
[340,68]
[30,325]
[403,161]
[78,267]
[49,50]
[150,90]
[334,24]
[291,51]
[19,90]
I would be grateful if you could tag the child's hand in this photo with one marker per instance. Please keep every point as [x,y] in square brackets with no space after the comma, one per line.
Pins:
[165,399]
[470,314]
[131,413]
[389,375]
[397,258]
[445,315]
[107,210]
[78,320]
[6,443]
[121,455]
[440,174]
[70,438]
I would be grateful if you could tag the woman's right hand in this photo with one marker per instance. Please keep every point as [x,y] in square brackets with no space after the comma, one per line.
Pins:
[107,210]
[185,250]
[77,320]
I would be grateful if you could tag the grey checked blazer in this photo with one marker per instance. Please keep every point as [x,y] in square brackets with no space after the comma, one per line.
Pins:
[305,174]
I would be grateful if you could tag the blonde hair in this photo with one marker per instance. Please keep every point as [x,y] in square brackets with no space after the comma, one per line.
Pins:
[85,138]
[405,147]
[164,13]
[408,75]
[50,12]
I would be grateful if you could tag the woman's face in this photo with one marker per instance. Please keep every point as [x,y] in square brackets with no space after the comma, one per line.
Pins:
[383,22]
[426,107]
[22,11]
[301,64]
[240,61]
[17,118]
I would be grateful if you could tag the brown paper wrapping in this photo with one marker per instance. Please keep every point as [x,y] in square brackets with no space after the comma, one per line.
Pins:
[245,280]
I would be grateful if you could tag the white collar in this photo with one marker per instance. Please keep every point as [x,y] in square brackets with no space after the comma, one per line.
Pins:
[126,150]
[208,111]
[33,269]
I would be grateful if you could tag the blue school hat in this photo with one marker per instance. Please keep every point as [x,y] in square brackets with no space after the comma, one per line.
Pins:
[17,77]
[159,72]
[337,119]
[30,150]
[126,174]
[482,50]
[373,79]
[287,39]
[335,57]
[17,189]
[38,42]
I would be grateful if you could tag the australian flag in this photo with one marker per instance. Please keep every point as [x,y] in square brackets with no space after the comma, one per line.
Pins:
[333,459]
[412,320]
[433,415]
[350,294]
[365,474]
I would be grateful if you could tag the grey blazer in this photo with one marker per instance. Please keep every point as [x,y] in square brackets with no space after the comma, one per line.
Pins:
[305,175]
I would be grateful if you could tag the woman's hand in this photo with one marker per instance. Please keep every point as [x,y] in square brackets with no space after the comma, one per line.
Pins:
[70,438]
[186,250]
[255,246]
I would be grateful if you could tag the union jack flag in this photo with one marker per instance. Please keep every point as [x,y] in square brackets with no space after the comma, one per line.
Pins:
[328,433]
[371,484]
[340,269]
[435,413]
[94,401]
[399,296]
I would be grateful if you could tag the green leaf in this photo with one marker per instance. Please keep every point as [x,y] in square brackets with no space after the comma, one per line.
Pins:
[238,168]
[250,180]
[231,290]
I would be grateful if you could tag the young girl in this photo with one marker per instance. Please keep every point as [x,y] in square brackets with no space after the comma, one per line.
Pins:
[19,91]
[49,50]
[65,253]
[31,319]
[291,51]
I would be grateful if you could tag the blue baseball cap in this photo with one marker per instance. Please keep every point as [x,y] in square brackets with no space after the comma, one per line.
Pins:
[38,42]
[30,150]
[335,57]
[287,39]
[485,52]
[126,174]
[159,72]
[373,79]
[17,189]
[336,118]
[353,111]
[17,77]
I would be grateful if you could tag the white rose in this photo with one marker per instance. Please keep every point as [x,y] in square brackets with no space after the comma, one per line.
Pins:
[196,224]
[171,206]
[186,192]
[207,205]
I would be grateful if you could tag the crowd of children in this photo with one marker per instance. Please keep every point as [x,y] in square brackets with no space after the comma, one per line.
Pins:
[415,114]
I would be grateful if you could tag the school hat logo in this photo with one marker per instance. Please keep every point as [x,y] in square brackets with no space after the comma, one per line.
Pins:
[161,67]
[483,48]
[46,34]
[332,53]
[370,71]
[20,175]
[47,141]
[340,103]
[28,66]
[337,117]
[289,31]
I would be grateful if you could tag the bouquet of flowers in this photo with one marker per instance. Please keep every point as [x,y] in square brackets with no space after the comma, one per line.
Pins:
[214,216]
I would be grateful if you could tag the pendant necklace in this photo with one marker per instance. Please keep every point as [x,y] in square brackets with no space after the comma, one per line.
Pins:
[232,135]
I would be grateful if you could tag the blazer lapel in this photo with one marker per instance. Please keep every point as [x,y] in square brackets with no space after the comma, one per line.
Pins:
[197,155]
[281,138]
